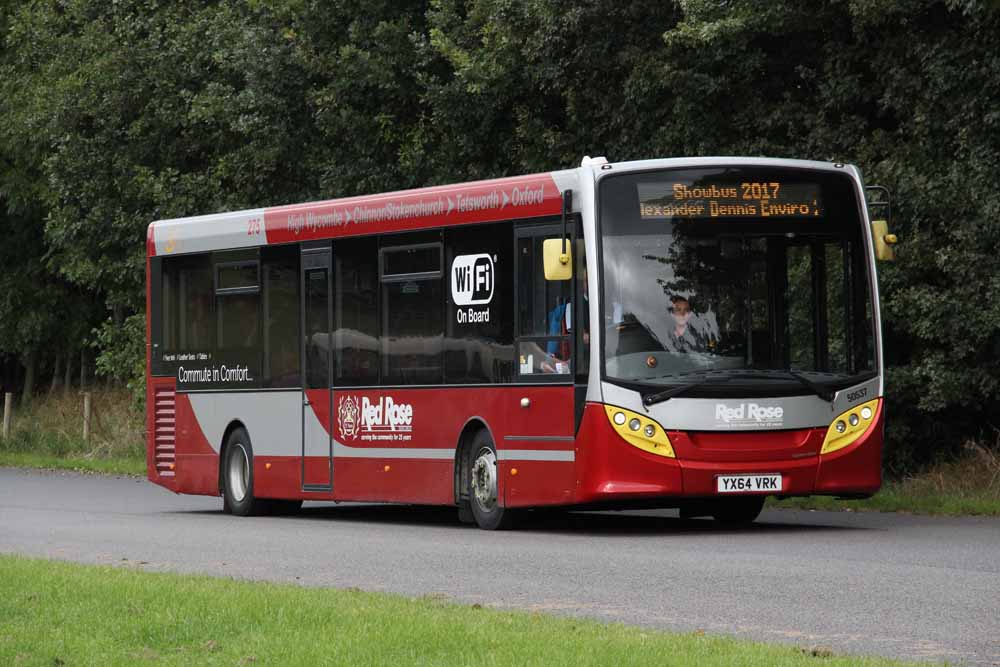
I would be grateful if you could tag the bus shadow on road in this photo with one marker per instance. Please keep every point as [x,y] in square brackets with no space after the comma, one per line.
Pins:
[633,523]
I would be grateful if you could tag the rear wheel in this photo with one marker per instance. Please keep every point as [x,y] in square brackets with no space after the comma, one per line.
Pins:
[738,511]
[237,476]
[483,496]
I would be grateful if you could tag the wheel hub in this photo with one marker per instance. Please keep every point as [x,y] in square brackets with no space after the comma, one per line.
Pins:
[484,479]
[239,473]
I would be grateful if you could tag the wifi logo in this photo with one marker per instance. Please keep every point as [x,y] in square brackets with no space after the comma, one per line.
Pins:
[472,280]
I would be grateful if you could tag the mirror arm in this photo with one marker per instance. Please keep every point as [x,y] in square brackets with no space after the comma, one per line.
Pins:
[567,206]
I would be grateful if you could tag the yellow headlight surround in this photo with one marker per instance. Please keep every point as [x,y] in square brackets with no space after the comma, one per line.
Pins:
[623,420]
[849,426]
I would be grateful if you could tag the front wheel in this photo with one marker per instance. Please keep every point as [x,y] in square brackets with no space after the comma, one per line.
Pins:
[483,497]
[738,511]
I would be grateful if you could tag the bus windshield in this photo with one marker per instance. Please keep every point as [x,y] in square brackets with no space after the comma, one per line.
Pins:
[731,272]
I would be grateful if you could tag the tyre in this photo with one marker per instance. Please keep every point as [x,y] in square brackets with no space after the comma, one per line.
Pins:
[487,511]
[237,476]
[738,511]
[465,513]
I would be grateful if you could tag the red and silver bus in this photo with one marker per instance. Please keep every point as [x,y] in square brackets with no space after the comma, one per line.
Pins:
[690,333]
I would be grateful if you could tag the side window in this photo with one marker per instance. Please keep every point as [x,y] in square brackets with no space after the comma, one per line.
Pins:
[186,306]
[280,307]
[479,340]
[412,314]
[544,311]
[237,293]
[355,312]
[238,351]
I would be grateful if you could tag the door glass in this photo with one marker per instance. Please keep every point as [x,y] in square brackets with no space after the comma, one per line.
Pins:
[317,333]
[545,318]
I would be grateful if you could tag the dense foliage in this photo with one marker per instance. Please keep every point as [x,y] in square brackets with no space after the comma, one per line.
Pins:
[116,114]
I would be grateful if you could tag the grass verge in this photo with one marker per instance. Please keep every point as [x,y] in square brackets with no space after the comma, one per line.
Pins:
[61,614]
[48,433]
[967,486]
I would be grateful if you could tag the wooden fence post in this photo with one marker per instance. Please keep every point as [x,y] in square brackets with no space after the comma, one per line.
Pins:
[8,413]
[86,416]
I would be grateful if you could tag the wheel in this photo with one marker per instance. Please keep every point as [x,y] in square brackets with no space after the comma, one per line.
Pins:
[486,508]
[465,512]
[738,511]
[237,476]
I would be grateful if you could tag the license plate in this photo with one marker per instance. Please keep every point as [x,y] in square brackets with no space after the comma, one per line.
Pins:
[748,483]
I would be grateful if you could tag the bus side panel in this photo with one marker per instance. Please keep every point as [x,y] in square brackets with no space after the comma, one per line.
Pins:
[398,445]
[197,469]
[611,469]
[538,451]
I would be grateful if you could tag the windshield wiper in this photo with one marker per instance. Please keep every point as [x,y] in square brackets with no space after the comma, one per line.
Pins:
[667,394]
[816,388]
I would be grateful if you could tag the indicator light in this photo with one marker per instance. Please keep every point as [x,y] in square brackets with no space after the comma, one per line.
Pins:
[866,412]
[840,426]
[619,418]
[513,471]
[853,419]
[650,430]
[634,424]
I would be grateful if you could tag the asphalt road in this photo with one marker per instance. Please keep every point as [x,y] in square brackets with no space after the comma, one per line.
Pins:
[884,584]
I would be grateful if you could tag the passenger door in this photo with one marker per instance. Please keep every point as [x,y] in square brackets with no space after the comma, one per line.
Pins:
[317,424]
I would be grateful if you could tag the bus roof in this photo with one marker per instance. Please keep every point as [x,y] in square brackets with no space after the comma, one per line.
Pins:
[424,208]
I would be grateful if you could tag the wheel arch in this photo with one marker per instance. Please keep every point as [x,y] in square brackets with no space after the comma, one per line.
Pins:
[463,450]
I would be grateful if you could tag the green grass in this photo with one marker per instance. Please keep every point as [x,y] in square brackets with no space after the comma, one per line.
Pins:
[967,486]
[109,466]
[63,614]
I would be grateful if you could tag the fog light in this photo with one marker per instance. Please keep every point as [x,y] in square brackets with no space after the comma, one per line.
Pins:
[866,412]
[650,430]
[634,424]
[840,426]
[619,418]
[853,419]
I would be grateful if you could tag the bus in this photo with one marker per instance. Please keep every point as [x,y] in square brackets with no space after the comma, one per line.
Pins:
[695,333]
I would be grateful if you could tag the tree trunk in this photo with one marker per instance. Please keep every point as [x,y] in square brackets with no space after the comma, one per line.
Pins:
[56,374]
[83,368]
[29,377]
[68,380]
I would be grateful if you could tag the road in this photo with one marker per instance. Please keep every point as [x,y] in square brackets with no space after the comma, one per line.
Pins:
[882,584]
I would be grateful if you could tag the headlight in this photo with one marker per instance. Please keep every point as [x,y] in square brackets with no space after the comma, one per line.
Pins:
[848,427]
[639,431]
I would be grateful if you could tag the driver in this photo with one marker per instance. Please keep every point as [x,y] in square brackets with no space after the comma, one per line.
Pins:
[683,338]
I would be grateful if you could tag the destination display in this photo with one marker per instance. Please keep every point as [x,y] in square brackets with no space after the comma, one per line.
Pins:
[668,200]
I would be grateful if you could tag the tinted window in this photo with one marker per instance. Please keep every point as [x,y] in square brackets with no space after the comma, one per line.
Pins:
[417,259]
[280,305]
[236,275]
[238,322]
[355,312]
[412,321]
[188,320]
[479,345]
